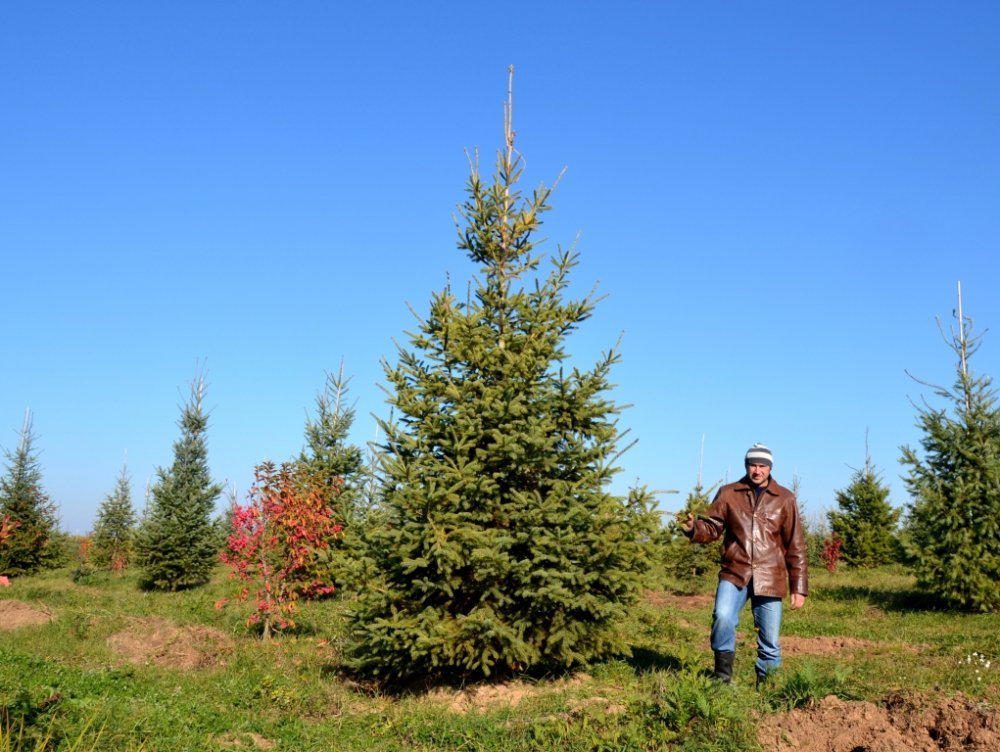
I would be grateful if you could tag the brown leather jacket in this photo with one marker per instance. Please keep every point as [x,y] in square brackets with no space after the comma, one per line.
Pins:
[762,540]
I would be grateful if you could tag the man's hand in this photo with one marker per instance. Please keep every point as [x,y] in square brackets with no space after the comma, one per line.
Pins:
[687,525]
[798,600]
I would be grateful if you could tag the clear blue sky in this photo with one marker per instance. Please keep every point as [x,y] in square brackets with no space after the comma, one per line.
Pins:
[777,199]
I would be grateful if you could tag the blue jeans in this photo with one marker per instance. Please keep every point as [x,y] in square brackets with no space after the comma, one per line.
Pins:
[729,600]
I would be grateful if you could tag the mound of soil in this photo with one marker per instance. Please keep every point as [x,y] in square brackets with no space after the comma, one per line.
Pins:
[898,725]
[159,642]
[16,614]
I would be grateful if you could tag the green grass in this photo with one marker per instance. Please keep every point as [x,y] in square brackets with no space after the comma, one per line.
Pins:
[62,686]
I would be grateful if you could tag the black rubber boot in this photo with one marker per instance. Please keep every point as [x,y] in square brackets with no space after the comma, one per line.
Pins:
[762,680]
[724,666]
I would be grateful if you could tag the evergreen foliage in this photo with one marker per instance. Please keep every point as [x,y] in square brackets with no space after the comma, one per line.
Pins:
[332,464]
[328,457]
[504,550]
[224,524]
[814,531]
[682,559]
[866,522]
[31,515]
[953,524]
[177,543]
[112,541]
[817,533]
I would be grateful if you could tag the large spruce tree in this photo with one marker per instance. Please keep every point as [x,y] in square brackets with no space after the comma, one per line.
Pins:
[112,540]
[866,521]
[31,514]
[954,517]
[177,544]
[504,548]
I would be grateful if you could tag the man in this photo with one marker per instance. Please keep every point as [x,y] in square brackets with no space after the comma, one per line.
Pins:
[763,558]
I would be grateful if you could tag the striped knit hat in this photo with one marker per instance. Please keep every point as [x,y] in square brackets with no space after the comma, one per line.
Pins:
[758,454]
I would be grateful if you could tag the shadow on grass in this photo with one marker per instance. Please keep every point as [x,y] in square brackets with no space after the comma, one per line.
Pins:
[421,684]
[902,601]
[642,661]
[645,660]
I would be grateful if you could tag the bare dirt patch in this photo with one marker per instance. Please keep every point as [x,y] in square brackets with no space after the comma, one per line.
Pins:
[17,614]
[601,704]
[244,740]
[897,725]
[663,599]
[481,698]
[159,642]
[501,695]
[827,645]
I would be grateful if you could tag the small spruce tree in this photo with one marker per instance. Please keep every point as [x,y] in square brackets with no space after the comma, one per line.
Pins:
[681,559]
[30,516]
[112,541]
[224,524]
[953,524]
[328,457]
[866,521]
[503,549]
[337,468]
[177,543]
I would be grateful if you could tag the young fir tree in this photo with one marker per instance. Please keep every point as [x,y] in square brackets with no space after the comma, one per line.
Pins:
[224,524]
[31,516]
[954,517]
[330,462]
[328,457]
[504,548]
[681,559]
[866,521]
[177,543]
[111,542]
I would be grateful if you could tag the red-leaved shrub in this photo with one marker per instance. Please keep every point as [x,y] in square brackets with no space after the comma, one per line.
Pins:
[831,552]
[282,545]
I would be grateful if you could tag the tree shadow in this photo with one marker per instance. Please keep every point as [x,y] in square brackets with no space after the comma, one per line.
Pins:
[423,684]
[909,600]
[642,661]
[646,660]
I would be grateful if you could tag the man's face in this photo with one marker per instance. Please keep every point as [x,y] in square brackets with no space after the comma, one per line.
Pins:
[759,474]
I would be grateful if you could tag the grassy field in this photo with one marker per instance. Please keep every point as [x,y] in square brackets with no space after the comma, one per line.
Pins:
[102,665]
